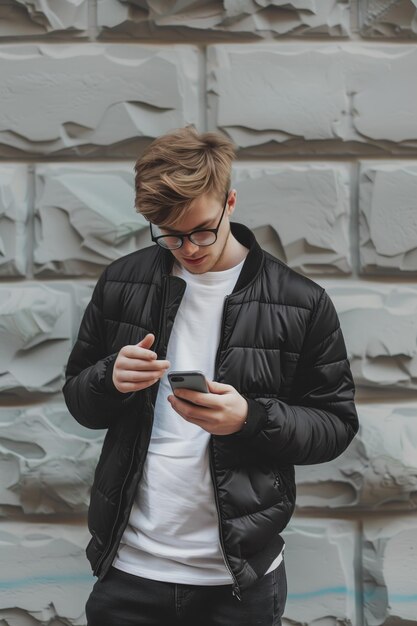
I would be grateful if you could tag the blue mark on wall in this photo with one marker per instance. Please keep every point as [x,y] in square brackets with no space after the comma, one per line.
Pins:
[344,591]
[306,595]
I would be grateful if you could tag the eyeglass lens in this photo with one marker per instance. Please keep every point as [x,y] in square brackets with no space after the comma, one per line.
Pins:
[200,238]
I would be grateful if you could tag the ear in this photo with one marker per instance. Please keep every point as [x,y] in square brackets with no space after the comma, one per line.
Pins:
[231,202]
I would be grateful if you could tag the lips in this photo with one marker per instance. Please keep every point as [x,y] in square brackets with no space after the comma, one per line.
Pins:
[193,260]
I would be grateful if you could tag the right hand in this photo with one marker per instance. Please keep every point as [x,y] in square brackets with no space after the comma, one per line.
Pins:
[136,366]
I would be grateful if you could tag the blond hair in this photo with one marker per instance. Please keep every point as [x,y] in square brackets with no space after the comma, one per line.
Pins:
[178,167]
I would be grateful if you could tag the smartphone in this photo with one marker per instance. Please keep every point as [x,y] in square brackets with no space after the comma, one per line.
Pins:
[194,380]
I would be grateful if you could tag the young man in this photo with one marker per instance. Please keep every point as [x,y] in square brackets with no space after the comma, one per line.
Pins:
[192,489]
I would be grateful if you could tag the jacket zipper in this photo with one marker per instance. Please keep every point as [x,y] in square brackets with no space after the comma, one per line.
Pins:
[221,334]
[235,587]
[109,544]
[159,339]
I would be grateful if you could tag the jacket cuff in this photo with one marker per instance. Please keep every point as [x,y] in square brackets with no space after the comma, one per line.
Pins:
[108,380]
[256,420]
[108,377]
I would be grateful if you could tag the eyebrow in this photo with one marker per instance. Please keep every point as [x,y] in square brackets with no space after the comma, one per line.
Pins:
[206,223]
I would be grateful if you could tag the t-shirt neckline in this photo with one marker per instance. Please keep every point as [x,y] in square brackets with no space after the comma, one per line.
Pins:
[209,276]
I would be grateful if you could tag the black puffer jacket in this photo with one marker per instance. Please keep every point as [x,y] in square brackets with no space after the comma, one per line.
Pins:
[281,347]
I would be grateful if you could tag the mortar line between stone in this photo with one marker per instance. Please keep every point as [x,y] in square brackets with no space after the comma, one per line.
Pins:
[203,87]
[354,18]
[354,230]
[31,221]
[92,21]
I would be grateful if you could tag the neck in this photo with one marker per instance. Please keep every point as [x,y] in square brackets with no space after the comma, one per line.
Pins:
[238,251]
[233,253]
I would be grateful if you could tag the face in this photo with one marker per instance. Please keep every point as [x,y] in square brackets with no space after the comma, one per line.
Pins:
[205,211]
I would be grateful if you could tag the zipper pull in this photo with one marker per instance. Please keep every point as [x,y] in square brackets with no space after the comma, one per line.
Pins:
[235,592]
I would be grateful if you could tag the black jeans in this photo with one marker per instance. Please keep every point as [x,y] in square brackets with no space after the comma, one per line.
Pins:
[122,599]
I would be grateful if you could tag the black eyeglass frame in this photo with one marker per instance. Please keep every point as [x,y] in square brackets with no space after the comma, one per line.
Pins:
[197,230]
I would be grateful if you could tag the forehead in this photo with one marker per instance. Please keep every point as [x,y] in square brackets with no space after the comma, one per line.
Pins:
[202,212]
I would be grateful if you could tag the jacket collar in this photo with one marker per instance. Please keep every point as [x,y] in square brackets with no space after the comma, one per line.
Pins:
[253,262]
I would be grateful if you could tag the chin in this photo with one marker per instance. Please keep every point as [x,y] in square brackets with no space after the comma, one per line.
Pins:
[200,270]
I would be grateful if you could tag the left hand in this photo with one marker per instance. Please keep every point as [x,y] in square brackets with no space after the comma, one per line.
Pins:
[223,411]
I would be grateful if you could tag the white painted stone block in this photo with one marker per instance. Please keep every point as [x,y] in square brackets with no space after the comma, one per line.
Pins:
[388,216]
[45,578]
[84,98]
[13,219]
[379,324]
[47,460]
[174,19]
[320,564]
[377,472]
[85,218]
[35,338]
[390,571]
[294,98]
[79,294]
[388,18]
[305,207]
[37,17]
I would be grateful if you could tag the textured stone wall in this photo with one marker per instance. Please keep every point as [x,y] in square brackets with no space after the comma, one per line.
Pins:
[320,98]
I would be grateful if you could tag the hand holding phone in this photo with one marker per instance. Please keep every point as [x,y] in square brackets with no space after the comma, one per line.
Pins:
[223,412]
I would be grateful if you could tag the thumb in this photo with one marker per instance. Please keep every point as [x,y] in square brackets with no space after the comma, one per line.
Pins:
[147,341]
[216,387]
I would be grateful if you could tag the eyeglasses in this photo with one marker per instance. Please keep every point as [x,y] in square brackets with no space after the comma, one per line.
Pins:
[200,236]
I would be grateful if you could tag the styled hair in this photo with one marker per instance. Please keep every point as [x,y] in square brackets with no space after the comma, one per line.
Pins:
[178,167]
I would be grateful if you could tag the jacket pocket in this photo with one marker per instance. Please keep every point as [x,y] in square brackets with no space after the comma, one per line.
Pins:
[281,486]
[92,552]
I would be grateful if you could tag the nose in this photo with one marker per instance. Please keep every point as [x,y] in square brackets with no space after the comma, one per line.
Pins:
[188,247]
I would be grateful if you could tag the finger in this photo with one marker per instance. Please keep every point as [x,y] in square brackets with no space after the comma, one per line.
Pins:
[191,411]
[208,400]
[218,388]
[147,341]
[136,352]
[130,376]
[126,387]
[205,423]
[141,364]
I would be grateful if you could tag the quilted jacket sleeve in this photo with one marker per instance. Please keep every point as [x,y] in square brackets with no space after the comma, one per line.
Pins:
[321,420]
[89,392]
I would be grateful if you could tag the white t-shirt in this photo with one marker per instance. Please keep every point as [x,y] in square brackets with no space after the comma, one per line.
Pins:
[173,534]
